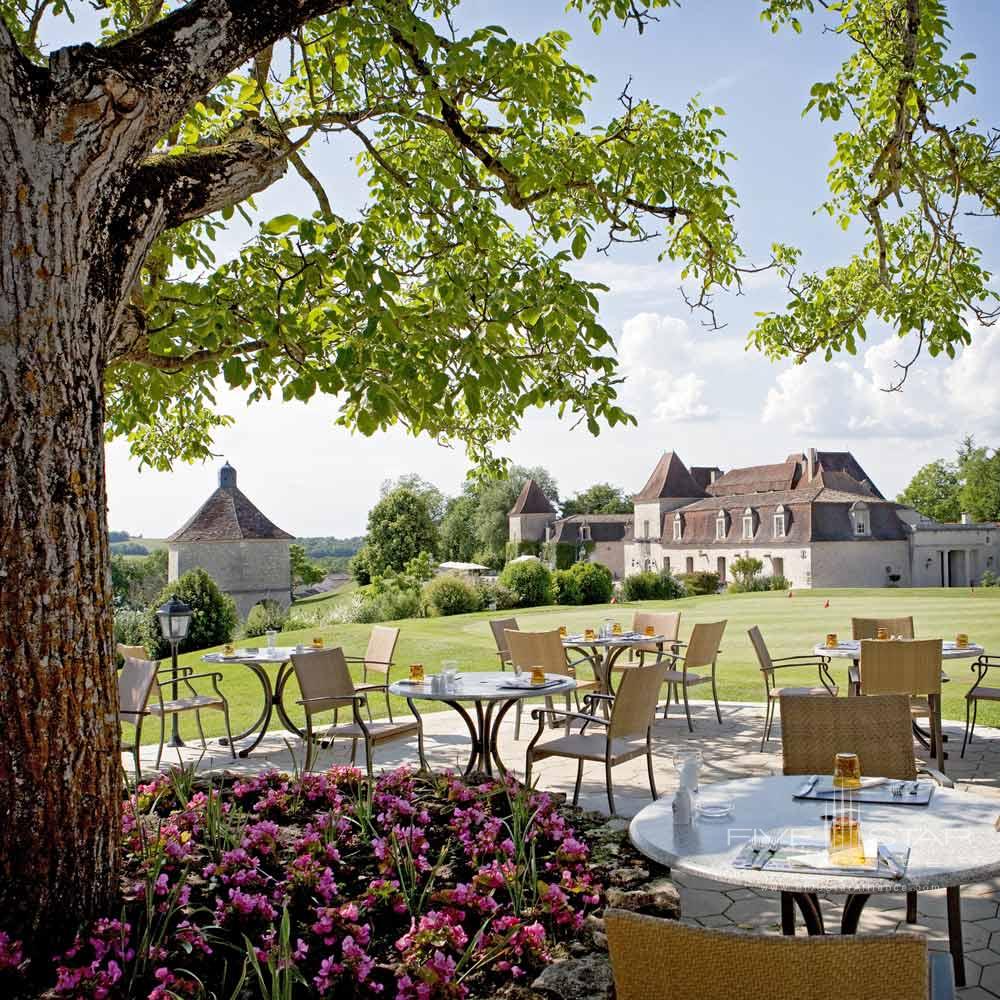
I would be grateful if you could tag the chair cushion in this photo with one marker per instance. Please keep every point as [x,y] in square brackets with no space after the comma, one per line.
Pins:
[987,694]
[677,677]
[380,732]
[819,689]
[588,746]
[186,704]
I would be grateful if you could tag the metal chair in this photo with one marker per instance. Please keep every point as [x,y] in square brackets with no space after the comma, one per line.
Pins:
[326,684]
[499,626]
[772,694]
[910,667]
[545,650]
[867,628]
[702,651]
[633,710]
[978,692]
[377,659]
[655,959]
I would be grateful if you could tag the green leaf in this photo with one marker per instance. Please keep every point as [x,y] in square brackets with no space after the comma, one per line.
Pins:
[279,224]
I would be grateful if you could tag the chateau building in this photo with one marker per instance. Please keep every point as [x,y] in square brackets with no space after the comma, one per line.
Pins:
[816,519]
[228,537]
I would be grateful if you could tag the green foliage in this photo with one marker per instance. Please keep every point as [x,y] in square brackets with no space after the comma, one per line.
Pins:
[399,529]
[530,580]
[700,582]
[979,469]
[130,626]
[457,535]
[652,585]
[745,570]
[392,596]
[135,582]
[532,547]
[129,549]
[433,498]
[451,594]
[562,555]
[303,571]
[118,536]
[497,497]
[911,170]
[324,548]
[360,566]
[601,498]
[495,596]
[267,616]
[583,583]
[213,618]
[566,588]
[934,491]
[989,579]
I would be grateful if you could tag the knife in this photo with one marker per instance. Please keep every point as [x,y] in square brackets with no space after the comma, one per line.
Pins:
[895,868]
[807,787]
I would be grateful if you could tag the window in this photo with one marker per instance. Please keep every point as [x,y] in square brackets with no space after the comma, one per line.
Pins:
[666,564]
[645,529]
[720,527]
[678,528]
[689,564]
[748,523]
[584,532]
[779,522]
[777,566]
[720,568]
[859,515]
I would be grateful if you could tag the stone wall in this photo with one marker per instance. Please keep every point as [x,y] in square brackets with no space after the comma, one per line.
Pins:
[860,564]
[529,527]
[249,571]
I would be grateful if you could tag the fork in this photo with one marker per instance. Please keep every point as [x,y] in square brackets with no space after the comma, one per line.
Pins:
[897,789]
[766,851]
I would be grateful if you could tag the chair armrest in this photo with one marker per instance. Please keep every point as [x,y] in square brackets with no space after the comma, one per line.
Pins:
[939,776]
[211,673]
[598,696]
[539,714]
[126,711]
[345,698]
[940,976]
[364,659]
[805,660]
[182,670]
[371,687]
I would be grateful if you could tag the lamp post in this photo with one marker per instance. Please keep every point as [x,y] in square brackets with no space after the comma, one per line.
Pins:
[175,619]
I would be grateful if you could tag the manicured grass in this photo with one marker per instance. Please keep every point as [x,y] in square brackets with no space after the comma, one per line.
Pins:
[790,625]
[326,601]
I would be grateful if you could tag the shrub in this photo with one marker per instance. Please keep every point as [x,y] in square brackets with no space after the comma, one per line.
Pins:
[387,606]
[130,628]
[213,618]
[746,571]
[265,617]
[779,582]
[700,583]
[530,580]
[989,579]
[495,596]
[451,594]
[566,587]
[360,566]
[652,586]
[595,581]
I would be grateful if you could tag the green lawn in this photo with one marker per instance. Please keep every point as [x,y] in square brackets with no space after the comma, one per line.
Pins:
[790,625]
[324,602]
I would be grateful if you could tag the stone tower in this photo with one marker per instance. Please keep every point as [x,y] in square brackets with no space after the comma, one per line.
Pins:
[531,514]
[228,537]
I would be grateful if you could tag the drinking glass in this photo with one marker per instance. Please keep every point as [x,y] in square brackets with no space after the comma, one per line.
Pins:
[846,847]
[882,633]
[961,640]
[650,631]
[831,640]
[537,675]
[229,649]
[846,771]
[417,672]
[687,761]
[271,637]
[562,632]
[317,642]
[616,628]
[588,634]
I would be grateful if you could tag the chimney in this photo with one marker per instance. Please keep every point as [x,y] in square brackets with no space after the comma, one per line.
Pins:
[713,474]
[811,459]
[966,518]
[227,477]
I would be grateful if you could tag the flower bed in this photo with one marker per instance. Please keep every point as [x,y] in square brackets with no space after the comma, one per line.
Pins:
[416,887]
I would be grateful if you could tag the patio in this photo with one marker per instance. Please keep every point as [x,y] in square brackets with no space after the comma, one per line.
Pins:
[730,751]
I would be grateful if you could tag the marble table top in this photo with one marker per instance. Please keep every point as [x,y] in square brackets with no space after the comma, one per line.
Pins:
[952,841]
[851,649]
[277,654]
[486,685]
[625,639]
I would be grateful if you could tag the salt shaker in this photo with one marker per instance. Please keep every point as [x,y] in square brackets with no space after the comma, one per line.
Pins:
[682,807]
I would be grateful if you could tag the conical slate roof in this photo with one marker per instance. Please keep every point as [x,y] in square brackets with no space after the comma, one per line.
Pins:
[670,479]
[532,500]
[227,515]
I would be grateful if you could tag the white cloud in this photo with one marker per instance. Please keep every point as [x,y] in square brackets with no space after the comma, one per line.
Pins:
[643,281]
[972,383]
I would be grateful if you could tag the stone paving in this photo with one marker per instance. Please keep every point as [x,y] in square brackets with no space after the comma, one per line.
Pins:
[730,751]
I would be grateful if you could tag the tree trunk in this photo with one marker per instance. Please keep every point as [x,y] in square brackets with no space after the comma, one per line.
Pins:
[59,763]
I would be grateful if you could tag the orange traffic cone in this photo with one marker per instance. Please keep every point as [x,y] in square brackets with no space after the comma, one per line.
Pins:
[790,594]
[827,604]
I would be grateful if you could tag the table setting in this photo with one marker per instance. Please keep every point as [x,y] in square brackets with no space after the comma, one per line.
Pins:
[614,640]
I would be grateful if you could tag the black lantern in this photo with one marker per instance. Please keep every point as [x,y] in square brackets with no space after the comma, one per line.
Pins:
[175,620]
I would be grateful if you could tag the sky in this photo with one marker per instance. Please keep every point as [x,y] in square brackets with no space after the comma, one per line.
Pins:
[697,392]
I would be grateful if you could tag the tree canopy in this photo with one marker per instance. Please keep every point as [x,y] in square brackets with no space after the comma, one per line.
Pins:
[399,529]
[601,498]
[934,491]
[970,484]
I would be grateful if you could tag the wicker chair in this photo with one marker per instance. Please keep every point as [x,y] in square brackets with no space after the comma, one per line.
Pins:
[702,651]
[132,652]
[978,692]
[909,667]
[633,710]
[499,626]
[665,623]
[867,628]
[139,680]
[378,660]
[655,959]
[545,650]
[325,682]
[772,693]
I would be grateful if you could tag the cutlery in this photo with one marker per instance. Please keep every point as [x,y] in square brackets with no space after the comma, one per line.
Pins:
[897,789]
[768,852]
[915,788]
[807,786]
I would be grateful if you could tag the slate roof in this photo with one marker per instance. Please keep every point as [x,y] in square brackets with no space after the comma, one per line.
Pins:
[532,500]
[757,479]
[228,515]
[670,479]
[603,527]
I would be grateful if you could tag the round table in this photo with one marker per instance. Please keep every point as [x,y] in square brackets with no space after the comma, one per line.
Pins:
[953,841]
[851,649]
[603,651]
[487,691]
[255,660]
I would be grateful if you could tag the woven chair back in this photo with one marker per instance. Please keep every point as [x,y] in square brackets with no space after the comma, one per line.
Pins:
[499,627]
[132,652]
[135,684]
[381,646]
[760,648]
[877,729]
[324,679]
[867,628]
[666,623]
[655,959]
[537,649]
[635,702]
[910,667]
[703,646]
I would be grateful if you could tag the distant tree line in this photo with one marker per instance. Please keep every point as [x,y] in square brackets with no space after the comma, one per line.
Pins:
[968,484]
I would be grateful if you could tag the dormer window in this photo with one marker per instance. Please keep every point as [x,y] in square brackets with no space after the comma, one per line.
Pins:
[780,522]
[748,523]
[721,527]
[584,532]
[678,527]
[860,519]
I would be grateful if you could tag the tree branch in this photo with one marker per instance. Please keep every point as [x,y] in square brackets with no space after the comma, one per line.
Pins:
[22,83]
